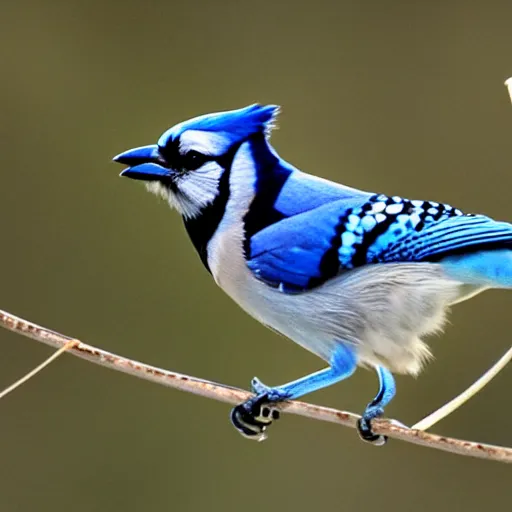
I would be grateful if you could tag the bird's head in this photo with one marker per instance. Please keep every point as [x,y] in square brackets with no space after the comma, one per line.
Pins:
[188,161]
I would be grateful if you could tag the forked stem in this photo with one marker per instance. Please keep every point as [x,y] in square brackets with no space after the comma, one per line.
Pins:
[37,369]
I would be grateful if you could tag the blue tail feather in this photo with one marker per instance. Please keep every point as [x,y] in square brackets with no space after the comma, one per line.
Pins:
[452,236]
[482,268]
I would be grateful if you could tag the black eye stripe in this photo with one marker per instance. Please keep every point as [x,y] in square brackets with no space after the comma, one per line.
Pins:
[189,161]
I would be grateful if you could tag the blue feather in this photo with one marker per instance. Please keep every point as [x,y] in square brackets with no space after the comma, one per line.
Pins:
[448,237]
[305,250]
[283,191]
[299,252]
[238,124]
[486,268]
[303,192]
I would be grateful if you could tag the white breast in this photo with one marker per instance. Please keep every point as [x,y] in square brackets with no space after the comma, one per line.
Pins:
[226,260]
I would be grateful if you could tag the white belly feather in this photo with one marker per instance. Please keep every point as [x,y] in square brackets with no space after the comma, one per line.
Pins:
[382,310]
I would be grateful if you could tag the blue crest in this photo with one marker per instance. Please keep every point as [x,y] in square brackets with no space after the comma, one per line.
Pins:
[242,122]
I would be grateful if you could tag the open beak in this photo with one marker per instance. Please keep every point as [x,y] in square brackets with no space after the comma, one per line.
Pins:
[144,164]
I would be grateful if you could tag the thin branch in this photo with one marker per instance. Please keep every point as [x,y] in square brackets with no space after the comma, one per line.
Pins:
[508,84]
[231,395]
[37,369]
[468,393]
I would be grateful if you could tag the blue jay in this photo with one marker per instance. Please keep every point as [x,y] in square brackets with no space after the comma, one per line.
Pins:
[355,277]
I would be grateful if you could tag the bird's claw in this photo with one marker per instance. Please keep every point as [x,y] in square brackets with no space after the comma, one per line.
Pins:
[364,427]
[253,417]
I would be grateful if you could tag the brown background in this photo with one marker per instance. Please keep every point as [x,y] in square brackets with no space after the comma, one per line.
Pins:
[396,97]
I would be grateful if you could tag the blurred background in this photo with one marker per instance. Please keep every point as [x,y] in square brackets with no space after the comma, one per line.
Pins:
[395,97]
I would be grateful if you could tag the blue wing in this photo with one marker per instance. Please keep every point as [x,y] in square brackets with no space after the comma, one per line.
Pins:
[298,252]
[305,250]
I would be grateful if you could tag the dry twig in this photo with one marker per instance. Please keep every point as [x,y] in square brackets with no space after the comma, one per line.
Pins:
[233,395]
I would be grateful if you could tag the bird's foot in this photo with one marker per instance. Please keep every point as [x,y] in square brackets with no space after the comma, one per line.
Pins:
[252,417]
[364,426]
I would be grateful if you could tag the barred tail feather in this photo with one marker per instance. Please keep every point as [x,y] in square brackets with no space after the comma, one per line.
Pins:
[462,235]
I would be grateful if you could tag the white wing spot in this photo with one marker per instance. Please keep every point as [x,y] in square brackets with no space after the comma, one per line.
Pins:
[378,207]
[393,209]
[415,219]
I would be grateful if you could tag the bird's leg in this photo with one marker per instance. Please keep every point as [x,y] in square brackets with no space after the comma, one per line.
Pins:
[375,408]
[254,416]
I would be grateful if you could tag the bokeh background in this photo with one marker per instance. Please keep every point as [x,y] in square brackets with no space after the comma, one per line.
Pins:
[396,97]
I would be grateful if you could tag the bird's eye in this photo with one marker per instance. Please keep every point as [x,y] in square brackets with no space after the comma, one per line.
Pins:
[192,160]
